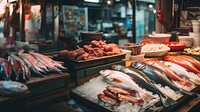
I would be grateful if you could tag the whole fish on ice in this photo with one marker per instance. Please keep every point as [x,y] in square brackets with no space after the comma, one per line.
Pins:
[142,80]
[172,75]
[184,63]
[159,77]
[181,71]
[195,62]
[124,81]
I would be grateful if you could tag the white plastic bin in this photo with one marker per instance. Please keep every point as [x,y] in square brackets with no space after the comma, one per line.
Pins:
[128,54]
[186,39]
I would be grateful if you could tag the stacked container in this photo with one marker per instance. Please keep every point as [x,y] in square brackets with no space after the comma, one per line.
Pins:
[196,32]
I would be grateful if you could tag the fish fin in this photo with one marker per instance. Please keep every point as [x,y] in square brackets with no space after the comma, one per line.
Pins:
[117,80]
[20,51]
[36,73]
[189,93]
[44,69]
[62,68]
[185,83]
[196,81]
[55,70]
[31,51]
[167,101]
[146,97]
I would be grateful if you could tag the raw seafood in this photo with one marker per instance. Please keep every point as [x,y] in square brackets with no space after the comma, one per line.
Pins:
[128,98]
[154,47]
[124,81]
[107,99]
[143,81]
[116,91]
[172,75]
[11,88]
[25,69]
[181,71]
[6,69]
[48,62]
[94,50]
[159,77]
[32,64]
[110,94]
[17,69]
[195,50]
[184,63]
[195,62]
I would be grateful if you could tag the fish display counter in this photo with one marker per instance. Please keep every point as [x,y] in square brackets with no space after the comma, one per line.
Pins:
[150,85]
[45,79]
[85,62]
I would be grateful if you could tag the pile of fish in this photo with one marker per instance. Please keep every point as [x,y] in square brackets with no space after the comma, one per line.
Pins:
[21,66]
[143,78]
[115,95]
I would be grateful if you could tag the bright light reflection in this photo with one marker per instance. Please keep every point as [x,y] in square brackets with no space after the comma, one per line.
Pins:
[154,11]
[150,6]
[94,1]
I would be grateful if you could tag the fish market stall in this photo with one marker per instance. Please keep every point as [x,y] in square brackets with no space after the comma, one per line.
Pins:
[45,79]
[84,63]
[165,83]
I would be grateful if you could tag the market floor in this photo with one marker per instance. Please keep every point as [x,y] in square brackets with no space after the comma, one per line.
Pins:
[60,107]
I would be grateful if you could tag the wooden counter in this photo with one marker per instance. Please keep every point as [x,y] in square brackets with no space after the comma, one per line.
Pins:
[8,104]
[50,87]
[41,90]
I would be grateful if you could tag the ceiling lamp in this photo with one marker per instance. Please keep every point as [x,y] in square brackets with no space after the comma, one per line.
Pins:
[109,2]
[93,1]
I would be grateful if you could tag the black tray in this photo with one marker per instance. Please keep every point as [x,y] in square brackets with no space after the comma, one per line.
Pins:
[100,108]
[91,62]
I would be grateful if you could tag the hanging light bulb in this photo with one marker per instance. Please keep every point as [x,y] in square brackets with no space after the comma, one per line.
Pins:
[150,6]
[109,2]
[154,11]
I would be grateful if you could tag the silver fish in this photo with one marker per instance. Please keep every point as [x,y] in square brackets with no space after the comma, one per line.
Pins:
[25,70]
[50,63]
[179,70]
[142,80]
[10,88]
[159,77]
[124,81]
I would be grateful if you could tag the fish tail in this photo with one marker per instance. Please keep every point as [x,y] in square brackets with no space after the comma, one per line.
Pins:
[185,83]
[44,69]
[146,97]
[62,68]
[59,72]
[37,73]
[196,81]
[167,101]
[189,93]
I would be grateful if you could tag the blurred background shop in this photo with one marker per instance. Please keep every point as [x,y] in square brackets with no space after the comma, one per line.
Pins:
[58,23]
[50,49]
